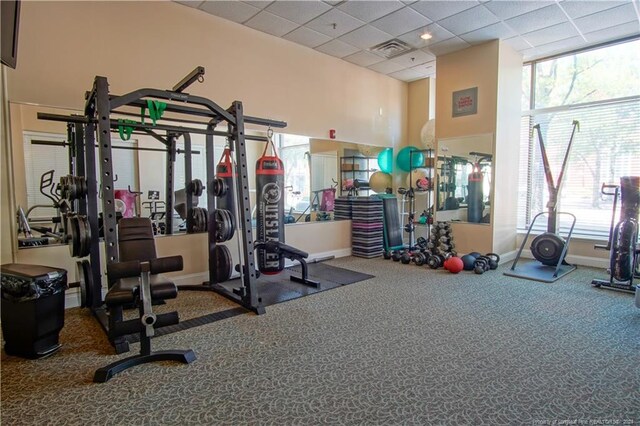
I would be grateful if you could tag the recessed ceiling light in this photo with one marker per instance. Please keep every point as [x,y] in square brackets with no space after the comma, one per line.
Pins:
[426,36]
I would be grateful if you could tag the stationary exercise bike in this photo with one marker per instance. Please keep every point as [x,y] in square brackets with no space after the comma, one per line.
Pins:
[549,248]
[624,258]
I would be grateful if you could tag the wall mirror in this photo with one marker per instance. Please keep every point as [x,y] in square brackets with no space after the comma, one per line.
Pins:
[313,172]
[464,176]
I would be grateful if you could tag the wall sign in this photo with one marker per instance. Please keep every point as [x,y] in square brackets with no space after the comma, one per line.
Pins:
[465,102]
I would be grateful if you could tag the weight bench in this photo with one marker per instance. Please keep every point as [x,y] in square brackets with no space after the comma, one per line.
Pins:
[138,282]
[291,253]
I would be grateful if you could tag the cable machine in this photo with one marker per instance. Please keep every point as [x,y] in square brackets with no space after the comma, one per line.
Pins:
[92,138]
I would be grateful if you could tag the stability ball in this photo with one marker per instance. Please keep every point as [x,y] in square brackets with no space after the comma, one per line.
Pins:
[418,179]
[380,181]
[385,160]
[403,161]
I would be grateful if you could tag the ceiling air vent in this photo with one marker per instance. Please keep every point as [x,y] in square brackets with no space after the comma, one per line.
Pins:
[391,49]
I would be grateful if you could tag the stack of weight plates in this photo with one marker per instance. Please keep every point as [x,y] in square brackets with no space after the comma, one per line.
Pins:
[366,227]
[342,208]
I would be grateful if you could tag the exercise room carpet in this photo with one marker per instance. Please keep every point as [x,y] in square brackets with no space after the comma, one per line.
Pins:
[410,346]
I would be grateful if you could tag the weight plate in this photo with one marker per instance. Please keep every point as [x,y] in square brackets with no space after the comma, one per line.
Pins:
[74,245]
[222,263]
[85,236]
[84,275]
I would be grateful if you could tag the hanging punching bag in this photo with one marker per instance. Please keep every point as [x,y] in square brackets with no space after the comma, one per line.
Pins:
[270,208]
[224,171]
[474,201]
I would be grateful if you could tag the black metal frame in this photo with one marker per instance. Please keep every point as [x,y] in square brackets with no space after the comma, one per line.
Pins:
[99,107]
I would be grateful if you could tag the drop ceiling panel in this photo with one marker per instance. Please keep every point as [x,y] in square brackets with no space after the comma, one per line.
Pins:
[578,9]
[425,70]
[365,37]
[438,34]
[559,46]
[491,32]
[368,11]
[401,21]
[337,48]
[446,46]
[436,10]
[232,10]
[607,18]
[414,58]
[469,20]
[342,22]
[386,67]
[307,37]
[299,12]
[406,75]
[540,18]
[260,4]
[551,34]
[510,9]
[612,33]
[518,43]
[364,59]
[271,24]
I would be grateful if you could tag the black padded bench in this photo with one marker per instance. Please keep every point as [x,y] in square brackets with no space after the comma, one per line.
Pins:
[291,253]
[137,280]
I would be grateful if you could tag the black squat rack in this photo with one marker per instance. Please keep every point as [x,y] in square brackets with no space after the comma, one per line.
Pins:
[91,132]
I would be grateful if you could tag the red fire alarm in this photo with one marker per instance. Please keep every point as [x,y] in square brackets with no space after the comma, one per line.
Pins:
[332,134]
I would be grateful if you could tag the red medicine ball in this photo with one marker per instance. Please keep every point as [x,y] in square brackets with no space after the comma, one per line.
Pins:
[454,265]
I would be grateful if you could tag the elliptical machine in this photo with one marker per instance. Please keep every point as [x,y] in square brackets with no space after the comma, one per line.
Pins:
[549,248]
[624,257]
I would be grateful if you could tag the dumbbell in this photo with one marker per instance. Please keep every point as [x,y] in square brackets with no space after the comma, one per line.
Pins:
[386,254]
[395,256]
[435,261]
[405,258]
[419,258]
[494,259]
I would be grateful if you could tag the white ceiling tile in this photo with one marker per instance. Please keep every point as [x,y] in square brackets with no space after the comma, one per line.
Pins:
[299,12]
[492,32]
[337,48]
[260,4]
[333,2]
[469,20]
[537,19]
[612,33]
[401,21]
[560,46]
[518,43]
[364,59]
[367,11]
[509,9]
[607,18]
[307,37]
[232,10]
[436,10]
[408,1]
[438,34]
[386,67]
[343,23]
[425,70]
[190,3]
[366,37]
[406,75]
[414,58]
[577,9]
[447,46]
[551,34]
[271,24]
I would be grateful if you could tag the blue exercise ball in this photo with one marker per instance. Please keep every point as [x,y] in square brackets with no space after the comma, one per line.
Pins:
[406,161]
[385,160]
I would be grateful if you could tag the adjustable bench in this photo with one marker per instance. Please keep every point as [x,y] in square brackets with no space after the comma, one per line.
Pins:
[291,253]
[136,280]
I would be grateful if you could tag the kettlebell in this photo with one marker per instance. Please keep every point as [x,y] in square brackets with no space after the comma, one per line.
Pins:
[493,260]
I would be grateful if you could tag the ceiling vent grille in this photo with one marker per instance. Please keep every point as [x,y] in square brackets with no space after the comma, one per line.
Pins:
[391,49]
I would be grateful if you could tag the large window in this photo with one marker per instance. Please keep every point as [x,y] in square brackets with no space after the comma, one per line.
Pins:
[601,89]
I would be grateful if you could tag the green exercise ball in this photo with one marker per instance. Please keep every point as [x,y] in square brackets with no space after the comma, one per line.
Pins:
[380,181]
[403,160]
[385,160]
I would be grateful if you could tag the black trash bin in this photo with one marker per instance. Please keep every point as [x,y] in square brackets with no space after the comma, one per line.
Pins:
[32,308]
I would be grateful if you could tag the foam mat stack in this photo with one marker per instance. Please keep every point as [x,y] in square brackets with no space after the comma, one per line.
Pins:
[366,227]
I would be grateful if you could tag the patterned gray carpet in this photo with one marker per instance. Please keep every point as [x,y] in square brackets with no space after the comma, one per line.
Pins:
[411,346]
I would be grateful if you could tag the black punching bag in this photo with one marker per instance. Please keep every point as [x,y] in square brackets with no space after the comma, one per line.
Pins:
[270,204]
[626,231]
[224,171]
[474,200]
